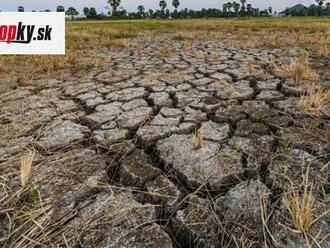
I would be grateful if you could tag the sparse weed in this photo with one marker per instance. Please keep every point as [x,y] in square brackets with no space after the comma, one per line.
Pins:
[251,67]
[301,208]
[315,101]
[183,36]
[165,52]
[26,167]
[198,139]
[284,147]
[273,40]
[300,71]
[188,45]
[324,47]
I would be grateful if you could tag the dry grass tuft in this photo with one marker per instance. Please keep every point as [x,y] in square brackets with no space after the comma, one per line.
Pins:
[26,167]
[198,139]
[165,52]
[121,43]
[184,36]
[273,40]
[315,101]
[188,45]
[323,48]
[300,70]
[251,68]
[301,209]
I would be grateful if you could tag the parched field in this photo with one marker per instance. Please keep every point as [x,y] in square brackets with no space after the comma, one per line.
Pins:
[187,133]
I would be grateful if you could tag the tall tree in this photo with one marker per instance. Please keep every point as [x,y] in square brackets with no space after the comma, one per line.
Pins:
[320,2]
[92,12]
[86,11]
[229,6]
[162,5]
[141,10]
[151,13]
[249,9]
[60,8]
[176,4]
[270,10]
[72,12]
[114,5]
[243,7]
[327,9]
[167,13]
[236,7]
[225,9]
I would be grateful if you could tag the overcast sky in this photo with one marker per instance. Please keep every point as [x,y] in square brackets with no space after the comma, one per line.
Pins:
[11,5]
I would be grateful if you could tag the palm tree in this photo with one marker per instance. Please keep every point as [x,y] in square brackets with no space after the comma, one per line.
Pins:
[320,3]
[141,10]
[176,4]
[270,10]
[151,13]
[92,12]
[162,5]
[229,6]
[114,5]
[72,12]
[167,13]
[225,9]
[236,8]
[60,8]
[86,11]
[249,9]
[243,7]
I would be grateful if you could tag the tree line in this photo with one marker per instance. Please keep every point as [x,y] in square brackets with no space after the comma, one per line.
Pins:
[228,9]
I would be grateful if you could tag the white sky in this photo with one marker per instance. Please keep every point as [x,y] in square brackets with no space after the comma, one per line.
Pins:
[11,5]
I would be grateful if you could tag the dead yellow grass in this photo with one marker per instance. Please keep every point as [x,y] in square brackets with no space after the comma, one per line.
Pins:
[198,139]
[273,40]
[121,43]
[188,45]
[165,52]
[184,36]
[299,70]
[315,101]
[324,47]
[26,167]
[301,207]
[251,67]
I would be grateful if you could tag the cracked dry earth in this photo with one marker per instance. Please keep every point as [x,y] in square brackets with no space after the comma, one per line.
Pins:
[116,165]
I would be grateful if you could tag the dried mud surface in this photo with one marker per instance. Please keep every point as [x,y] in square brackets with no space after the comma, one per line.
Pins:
[116,164]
